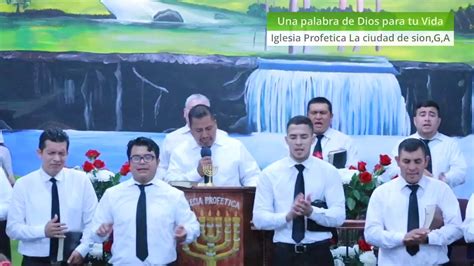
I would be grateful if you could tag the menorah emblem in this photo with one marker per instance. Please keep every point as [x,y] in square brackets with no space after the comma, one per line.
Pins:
[210,170]
[212,245]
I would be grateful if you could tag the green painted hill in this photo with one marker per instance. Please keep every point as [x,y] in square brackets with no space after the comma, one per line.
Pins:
[400,6]
[86,7]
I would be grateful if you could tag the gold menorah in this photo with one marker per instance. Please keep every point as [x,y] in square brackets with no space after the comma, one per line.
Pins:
[217,246]
[209,170]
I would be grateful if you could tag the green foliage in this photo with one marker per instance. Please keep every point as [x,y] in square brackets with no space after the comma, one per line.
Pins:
[357,196]
[257,10]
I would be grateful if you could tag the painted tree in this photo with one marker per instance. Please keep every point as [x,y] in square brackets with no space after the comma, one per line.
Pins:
[19,4]
[293,7]
[306,4]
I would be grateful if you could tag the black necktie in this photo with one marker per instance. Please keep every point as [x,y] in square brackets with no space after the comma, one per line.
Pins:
[53,246]
[318,150]
[413,219]
[428,153]
[141,237]
[298,223]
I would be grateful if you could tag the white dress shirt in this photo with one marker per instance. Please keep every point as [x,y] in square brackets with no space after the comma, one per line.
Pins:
[166,208]
[275,191]
[30,209]
[468,225]
[334,140]
[446,157]
[233,163]
[387,218]
[5,195]
[171,141]
[6,160]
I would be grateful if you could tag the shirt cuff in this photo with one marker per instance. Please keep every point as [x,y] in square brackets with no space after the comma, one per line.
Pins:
[316,212]
[83,249]
[38,231]
[398,238]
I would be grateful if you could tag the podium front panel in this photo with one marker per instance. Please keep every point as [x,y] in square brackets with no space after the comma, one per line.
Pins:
[224,215]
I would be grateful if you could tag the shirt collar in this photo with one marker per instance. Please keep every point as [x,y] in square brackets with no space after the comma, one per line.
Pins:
[307,163]
[131,182]
[436,136]
[219,141]
[422,183]
[46,177]
[329,133]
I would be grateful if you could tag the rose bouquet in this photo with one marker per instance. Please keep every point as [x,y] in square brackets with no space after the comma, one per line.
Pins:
[359,184]
[101,178]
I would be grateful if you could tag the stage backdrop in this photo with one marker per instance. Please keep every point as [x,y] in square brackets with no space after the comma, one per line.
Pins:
[119,65]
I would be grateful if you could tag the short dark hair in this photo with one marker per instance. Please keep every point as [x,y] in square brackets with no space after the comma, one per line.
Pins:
[143,141]
[319,100]
[411,145]
[199,111]
[300,120]
[54,135]
[428,103]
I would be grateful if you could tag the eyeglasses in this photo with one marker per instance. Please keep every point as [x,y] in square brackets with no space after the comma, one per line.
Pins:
[137,158]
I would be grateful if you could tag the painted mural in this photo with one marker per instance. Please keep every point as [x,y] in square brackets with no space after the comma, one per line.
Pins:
[120,65]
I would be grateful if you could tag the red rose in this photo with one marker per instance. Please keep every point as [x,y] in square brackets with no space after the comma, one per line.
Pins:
[87,166]
[377,167]
[352,167]
[385,159]
[125,169]
[361,166]
[92,154]
[364,246]
[99,164]
[365,177]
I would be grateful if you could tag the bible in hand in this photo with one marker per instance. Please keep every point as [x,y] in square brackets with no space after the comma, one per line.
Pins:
[338,158]
[433,217]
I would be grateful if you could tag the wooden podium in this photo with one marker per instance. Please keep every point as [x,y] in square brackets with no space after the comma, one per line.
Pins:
[224,214]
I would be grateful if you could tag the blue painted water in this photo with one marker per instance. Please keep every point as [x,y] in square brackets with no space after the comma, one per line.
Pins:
[363,104]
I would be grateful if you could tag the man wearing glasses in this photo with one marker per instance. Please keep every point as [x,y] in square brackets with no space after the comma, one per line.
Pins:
[148,217]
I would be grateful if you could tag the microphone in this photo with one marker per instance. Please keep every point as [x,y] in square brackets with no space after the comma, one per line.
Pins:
[206,151]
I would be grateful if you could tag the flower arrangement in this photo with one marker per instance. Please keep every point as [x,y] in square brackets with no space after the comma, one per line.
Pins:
[101,178]
[359,185]
[360,254]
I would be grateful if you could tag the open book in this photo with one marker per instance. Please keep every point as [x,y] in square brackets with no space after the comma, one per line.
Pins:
[185,184]
[338,158]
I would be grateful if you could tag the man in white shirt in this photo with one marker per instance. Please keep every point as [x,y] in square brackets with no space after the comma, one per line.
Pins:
[148,217]
[6,160]
[446,161]
[182,134]
[49,203]
[395,220]
[300,197]
[468,225]
[5,199]
[328,139]
[229,160]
